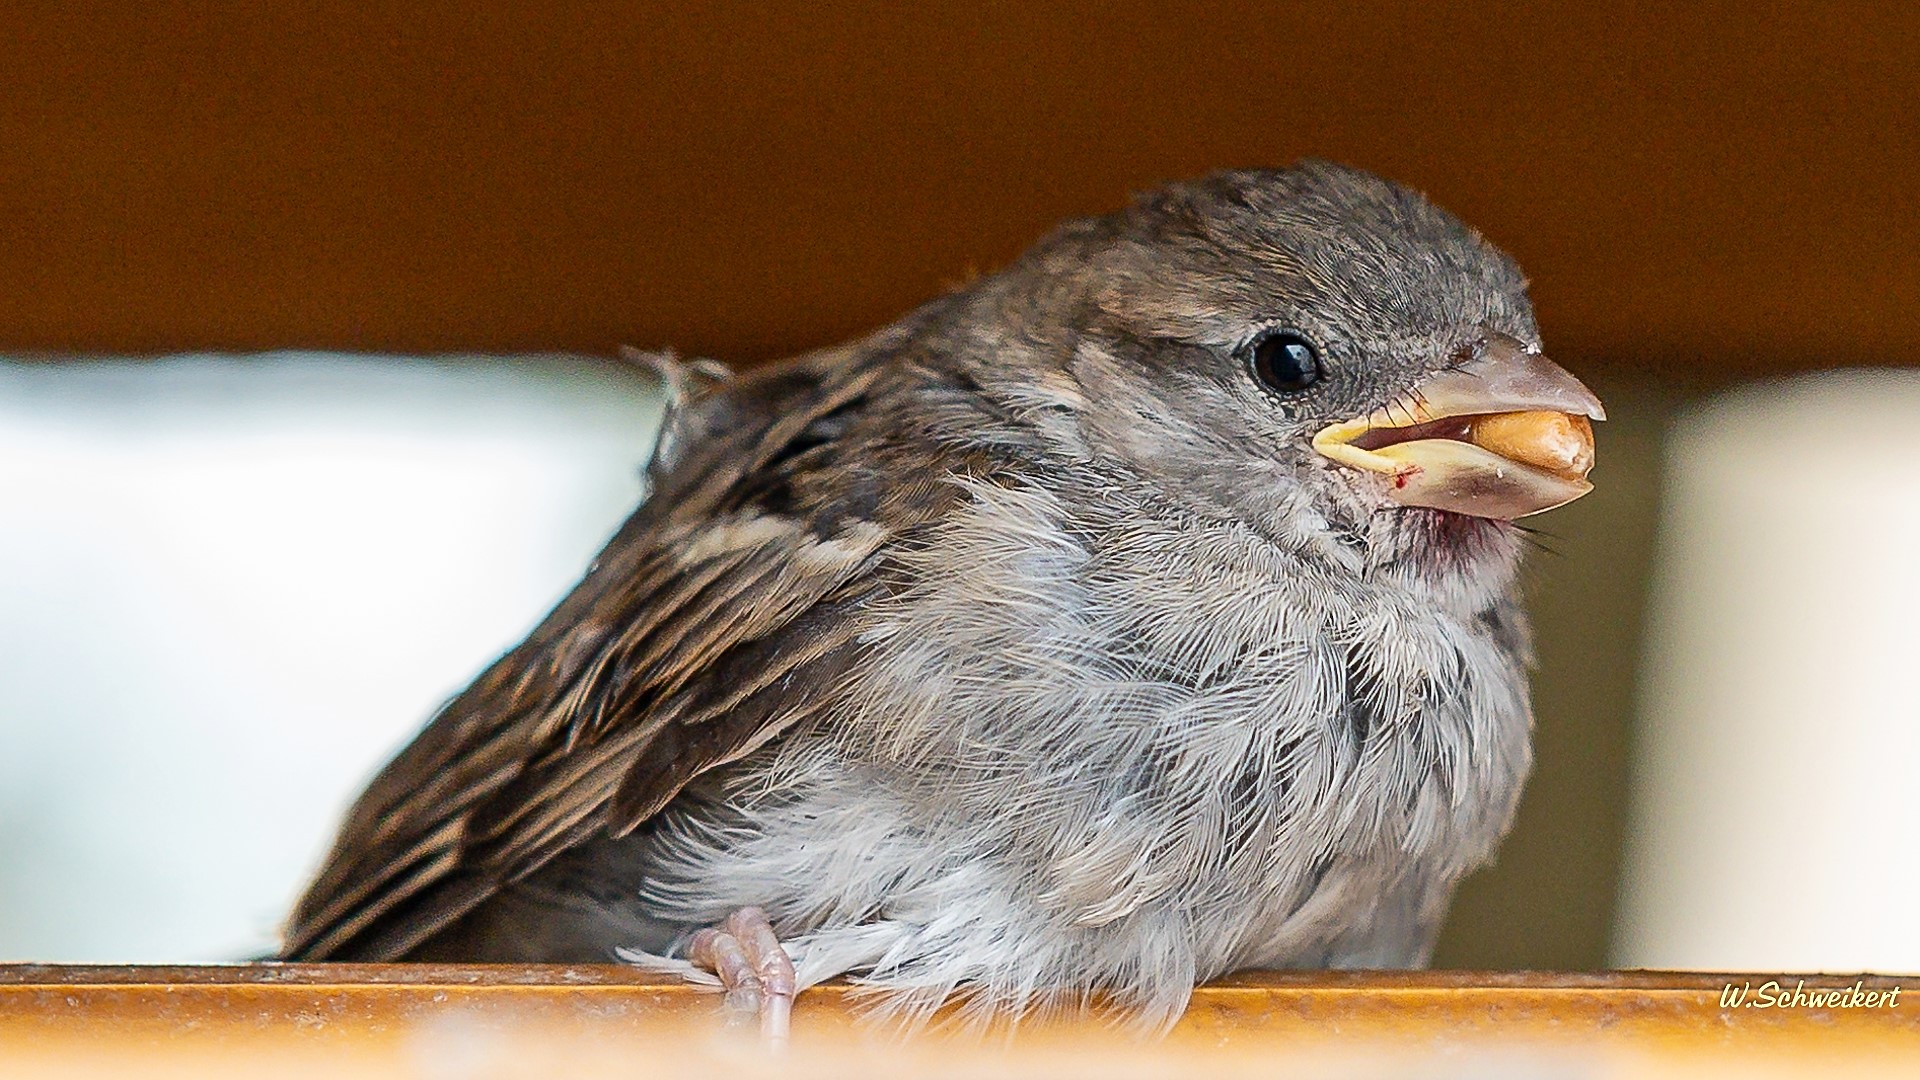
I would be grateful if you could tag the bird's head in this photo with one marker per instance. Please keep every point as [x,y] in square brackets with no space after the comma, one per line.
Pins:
[1310,349]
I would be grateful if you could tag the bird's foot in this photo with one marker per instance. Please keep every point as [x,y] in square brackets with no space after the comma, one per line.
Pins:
[746,956]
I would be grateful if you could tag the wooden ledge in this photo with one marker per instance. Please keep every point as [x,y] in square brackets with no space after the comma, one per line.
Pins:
[295,1020]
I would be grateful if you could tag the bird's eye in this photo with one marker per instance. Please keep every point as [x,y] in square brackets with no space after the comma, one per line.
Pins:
[1284,361]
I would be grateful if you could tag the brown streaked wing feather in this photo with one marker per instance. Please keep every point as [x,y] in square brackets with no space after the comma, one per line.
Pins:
[574,775]
[657,667]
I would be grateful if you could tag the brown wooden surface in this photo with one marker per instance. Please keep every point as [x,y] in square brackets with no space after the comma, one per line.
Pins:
[427,1020]
[1725,184]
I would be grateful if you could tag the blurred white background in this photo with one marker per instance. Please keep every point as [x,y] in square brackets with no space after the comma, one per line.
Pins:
[230,588]
[1773,823]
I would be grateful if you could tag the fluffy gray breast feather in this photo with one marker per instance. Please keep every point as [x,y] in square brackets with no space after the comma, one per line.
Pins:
[1125,751]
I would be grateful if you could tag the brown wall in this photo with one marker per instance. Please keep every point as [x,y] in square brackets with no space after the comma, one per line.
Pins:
[1730,183]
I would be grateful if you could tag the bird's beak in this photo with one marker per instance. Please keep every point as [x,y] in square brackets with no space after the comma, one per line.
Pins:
[1502,436]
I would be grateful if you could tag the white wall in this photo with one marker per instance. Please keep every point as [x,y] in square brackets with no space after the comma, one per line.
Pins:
[1775,821]
[230,588]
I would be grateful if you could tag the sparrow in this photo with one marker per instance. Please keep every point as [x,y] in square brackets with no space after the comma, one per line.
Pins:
[1145,611]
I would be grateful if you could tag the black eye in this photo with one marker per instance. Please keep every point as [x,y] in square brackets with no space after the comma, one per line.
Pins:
[1284,361]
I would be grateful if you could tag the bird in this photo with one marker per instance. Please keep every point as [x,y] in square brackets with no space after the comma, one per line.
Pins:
[1142,612]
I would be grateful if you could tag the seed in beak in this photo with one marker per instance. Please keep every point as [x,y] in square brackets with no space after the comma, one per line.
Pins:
[1560,443]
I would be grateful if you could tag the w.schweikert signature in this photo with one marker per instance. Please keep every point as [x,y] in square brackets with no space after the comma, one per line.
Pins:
[1772,995]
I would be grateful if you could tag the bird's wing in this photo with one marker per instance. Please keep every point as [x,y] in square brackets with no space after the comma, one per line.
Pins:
[690,642]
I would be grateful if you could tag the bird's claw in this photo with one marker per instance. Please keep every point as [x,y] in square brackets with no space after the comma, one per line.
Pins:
[755,970]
